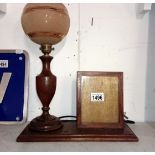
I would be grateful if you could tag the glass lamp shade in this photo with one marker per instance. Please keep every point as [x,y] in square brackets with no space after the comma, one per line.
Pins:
[45,23]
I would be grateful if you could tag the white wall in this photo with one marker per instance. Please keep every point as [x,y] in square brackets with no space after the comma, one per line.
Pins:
[150,80]
[118,40]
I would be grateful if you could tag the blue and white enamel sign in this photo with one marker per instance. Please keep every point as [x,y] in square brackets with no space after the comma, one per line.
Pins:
[13,86]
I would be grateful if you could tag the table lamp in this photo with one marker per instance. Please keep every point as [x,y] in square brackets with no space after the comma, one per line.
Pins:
[46,25]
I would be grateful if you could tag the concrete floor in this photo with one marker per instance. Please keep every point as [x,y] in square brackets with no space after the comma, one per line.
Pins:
[145,132]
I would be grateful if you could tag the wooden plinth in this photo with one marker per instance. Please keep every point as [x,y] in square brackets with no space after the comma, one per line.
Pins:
[70,132]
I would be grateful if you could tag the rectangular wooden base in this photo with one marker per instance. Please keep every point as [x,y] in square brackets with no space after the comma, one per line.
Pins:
[70,132]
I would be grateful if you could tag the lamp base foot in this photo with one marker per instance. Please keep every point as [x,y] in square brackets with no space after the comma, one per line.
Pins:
[51,123]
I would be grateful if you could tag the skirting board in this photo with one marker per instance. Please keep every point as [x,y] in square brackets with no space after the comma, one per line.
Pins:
[70,132]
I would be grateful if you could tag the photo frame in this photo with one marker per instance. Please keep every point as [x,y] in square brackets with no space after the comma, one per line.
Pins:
[100,99]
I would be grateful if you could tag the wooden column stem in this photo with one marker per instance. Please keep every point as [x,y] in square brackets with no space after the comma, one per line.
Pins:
[45,86]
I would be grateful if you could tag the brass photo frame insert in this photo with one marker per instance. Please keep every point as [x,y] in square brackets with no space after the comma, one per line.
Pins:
[100,99]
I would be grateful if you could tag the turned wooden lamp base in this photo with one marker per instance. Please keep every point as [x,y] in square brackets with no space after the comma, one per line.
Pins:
[50,124]
[45,86]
